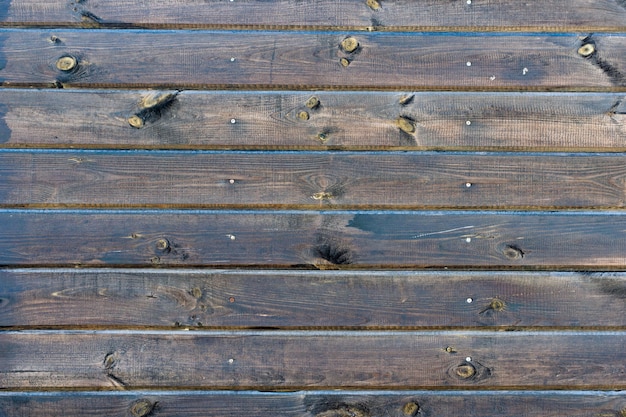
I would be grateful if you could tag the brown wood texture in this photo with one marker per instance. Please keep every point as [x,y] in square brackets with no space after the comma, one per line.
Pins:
[553,15]
[317,404]
[310,180]
[199,299]
[306,60]
[296,360]
[358,121]
[321,240]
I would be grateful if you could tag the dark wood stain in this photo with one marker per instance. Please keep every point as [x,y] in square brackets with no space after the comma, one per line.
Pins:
[553,15]
[310,180]
[325,360]
[269,60]
[565,122]
[330,208]
[309,299]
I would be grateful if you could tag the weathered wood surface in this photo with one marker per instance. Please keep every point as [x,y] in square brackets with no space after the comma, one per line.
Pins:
[310,180]
[197,299]
[316,403]
[296,360]
[305,60]
[269,120]
[301,239]
[553,15]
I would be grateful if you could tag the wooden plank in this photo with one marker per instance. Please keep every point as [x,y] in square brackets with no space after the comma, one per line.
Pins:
[554,15]
[284,239]
[104,298]
[296,360]
[269,120]
[310,180]
[315,403]
[309,60]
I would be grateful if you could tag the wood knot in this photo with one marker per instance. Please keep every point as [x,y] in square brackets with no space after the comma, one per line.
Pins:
[110,360]
[450,349]
[497,304]
[465,371]
[303,115]
[322,196]
[405,124]
[66,63]
[373,4]
[513,252]
[312,102]
[196,293]
[410,409]
[345,411]
[586,50]
[142,408]
[156,100]
[136,121]
[405,100]
[349,44]
[163,245]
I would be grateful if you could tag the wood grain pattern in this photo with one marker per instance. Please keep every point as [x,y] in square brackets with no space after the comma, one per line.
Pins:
[316,403]
[297,300]
[252,59]
[554,15]
[313,239]
[269,120]
[296,360]
[310,180]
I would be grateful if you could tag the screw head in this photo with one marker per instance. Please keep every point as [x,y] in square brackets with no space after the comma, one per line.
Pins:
[66,63]
[303,115]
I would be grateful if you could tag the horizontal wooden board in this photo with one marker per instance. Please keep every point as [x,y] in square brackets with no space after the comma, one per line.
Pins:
[103,298]
[361,14]
[322,240]
[308,60]
[310,180]
[269,120]
[296,360]
[316,403]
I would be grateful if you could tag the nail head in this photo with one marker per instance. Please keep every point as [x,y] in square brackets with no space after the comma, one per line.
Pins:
[303,115]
